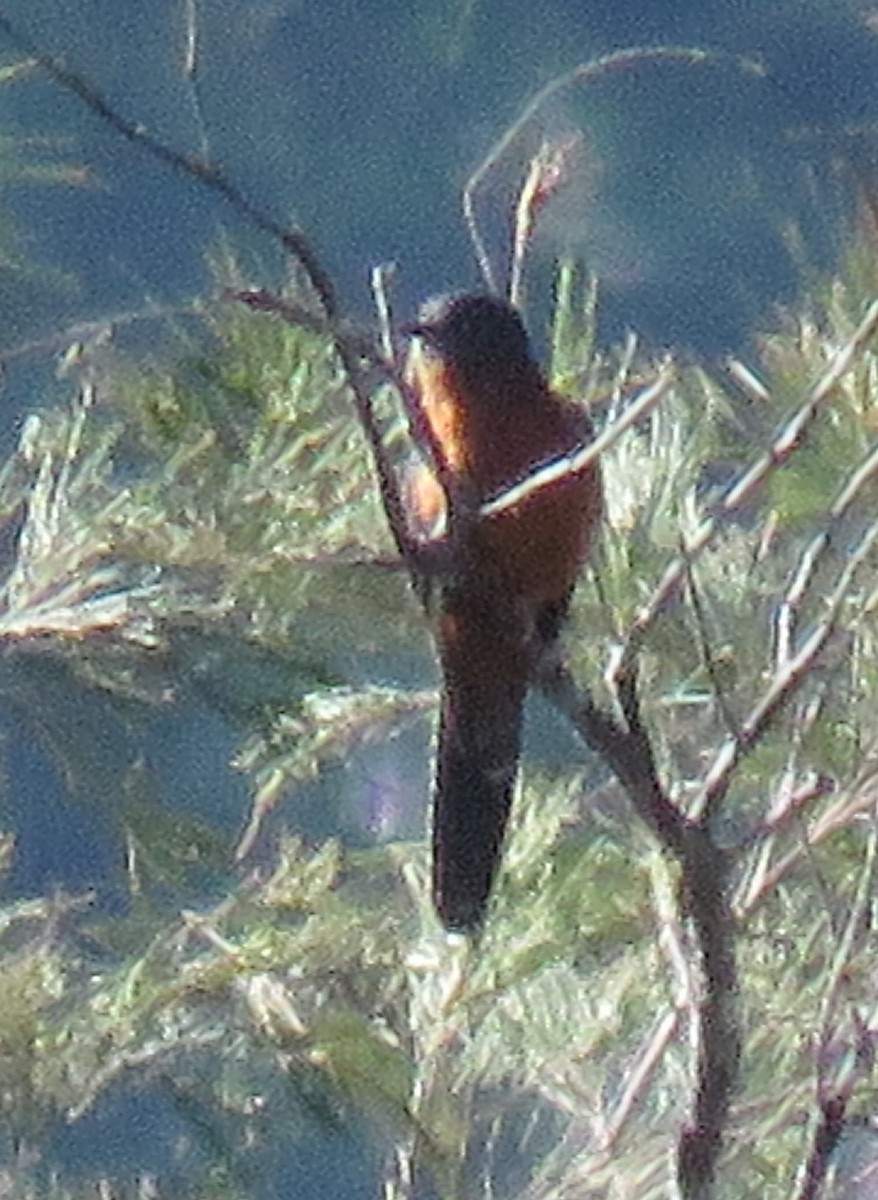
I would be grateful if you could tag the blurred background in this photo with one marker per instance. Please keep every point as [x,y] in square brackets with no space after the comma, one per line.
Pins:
[707,192]
[704,197]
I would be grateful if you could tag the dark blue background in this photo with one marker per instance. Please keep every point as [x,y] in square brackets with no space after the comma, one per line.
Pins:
[713,194]
[362,122]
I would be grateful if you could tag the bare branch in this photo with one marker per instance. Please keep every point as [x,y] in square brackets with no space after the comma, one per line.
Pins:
[190,57]
[99,330]
[628,754]
[381,278]
[545,176]
[704,868]
[557,469]
[298,315]
[639,1075]
[585,73]
[708,658]
[208,174]
[671,944]
[790,808]
[790,438]
[813,555]
[824,1142]
[352,347]
[787,680]
[836,1083]
[293,241]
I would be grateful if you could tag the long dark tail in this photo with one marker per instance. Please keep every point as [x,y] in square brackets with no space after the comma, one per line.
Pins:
[485,667]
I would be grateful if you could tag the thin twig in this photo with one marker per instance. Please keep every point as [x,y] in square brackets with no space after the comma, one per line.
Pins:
[794,597]
[190,56]
[380,278]
[556,469]
[101,328]
[302,317]
[786,681]
[839,816]
[790,808]
[639,1074]
[545,175]
[790,605]
[790,439]
[824,1142]
[292,240]
[707,656]
[823,785]
[208,174]
[670,941]
[351,348]
[704,869]
[628,754]
[585,73]
[834,1094]
[523,227]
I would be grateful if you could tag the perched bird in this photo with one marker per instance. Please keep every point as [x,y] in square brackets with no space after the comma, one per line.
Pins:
[494,421]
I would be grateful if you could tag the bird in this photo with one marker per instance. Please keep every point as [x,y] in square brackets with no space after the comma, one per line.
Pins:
[493,420]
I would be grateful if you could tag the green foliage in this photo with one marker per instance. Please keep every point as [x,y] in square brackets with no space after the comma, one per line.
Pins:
[196,524]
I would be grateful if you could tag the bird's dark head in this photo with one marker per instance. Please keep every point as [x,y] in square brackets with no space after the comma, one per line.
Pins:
[480,336]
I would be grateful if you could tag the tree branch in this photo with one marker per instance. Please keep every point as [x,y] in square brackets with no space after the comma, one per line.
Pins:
[790,438]
[704,869]
[585,73]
